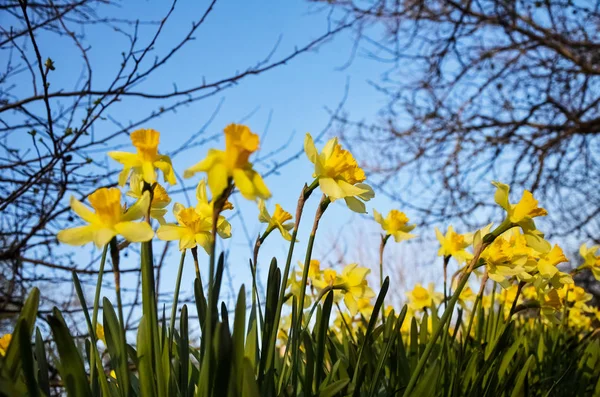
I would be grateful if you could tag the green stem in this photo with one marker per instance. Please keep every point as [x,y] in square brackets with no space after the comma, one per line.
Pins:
[446,261]
[255,296]
[306,192]
[98,288]
[175,299]
[114,254]
[97,301]
[219,201]
[298,326]
[474,311]
[384,240]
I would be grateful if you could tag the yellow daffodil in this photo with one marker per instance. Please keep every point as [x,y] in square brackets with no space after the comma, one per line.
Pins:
[192,228]
[551,304]
[395,224]
[574,294]
[233,162]
[277,221]
[548,262]
[591,259]
[160,198]
[420,298]
[354,286]
[146,160]
[108,220]
[100,333]
[4,342]
[454,245]
[504,262]
[205,207]
[521,213]
[338,174]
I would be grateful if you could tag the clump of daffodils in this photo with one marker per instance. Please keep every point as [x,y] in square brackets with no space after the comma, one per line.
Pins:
[515,255]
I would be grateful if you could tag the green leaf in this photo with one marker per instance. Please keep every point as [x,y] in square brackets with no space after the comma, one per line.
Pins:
[334,388]
[145,358]
[27,358]
[27,317]
[71,366]
[42,363]
[114,344]
[520,381]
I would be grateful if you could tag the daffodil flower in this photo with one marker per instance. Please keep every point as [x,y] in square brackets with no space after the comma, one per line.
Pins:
[338,174]
[503,262]
[146,160]
[233,162]
[454,245]
[108,220]
[192,229]
[4,342]
[420,298]
[523,212]
[277,220]
[551,304]
[395,224]
[354,286]
[548,262]
[100,333]
[206,208]
[160,198]
[591,259]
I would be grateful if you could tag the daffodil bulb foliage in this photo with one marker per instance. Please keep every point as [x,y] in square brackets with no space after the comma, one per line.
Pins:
[233,163]
[108,219]
[338,174]
[395,224]
[160,197]
[279,220]
[146,160]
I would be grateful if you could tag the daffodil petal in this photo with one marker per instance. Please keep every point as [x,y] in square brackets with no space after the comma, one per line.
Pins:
[205,241]
[148,172]
[76,235]
[217,179]
[130,160]
[135,232]
[261,189]
[355,205]
[164,164]
[170,232]
[84,212]
[103,236]
[330,188]
[310,149]
[139,209]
